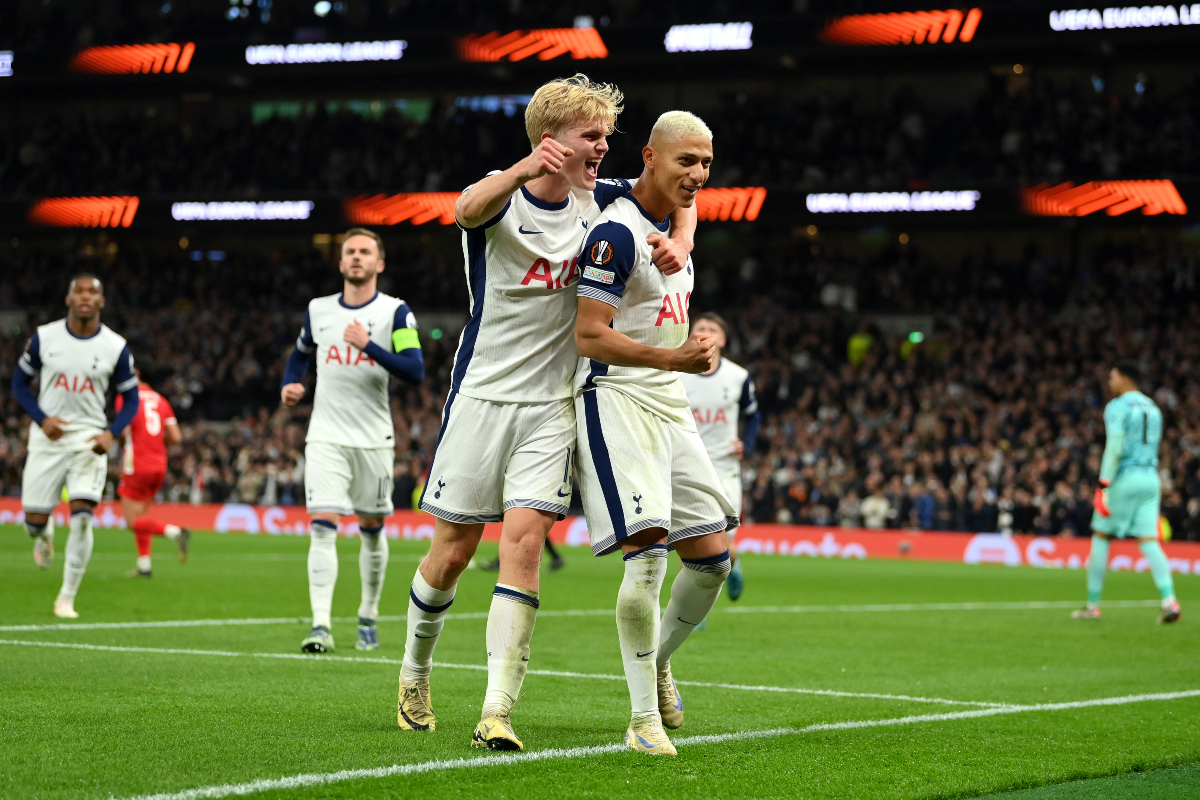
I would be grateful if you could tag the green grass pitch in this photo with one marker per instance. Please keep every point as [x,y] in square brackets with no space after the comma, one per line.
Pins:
[100,723]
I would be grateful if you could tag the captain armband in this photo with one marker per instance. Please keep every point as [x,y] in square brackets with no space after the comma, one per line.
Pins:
[405,339]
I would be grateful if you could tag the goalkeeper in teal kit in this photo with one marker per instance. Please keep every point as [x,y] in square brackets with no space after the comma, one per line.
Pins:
[1127,500]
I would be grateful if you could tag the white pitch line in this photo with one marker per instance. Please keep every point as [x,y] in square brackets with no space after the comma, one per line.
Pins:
[440,765]
[482,668]
[590,612]
[1019,606]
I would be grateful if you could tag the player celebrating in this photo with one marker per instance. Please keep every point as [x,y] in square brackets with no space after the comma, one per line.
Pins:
[508,425]
[648,485]
[143,471]
[719,398]
[1127,500]
[359,337]
[75,360]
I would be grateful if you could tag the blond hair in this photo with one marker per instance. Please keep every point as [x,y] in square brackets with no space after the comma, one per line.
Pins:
[562,102]
[674,124]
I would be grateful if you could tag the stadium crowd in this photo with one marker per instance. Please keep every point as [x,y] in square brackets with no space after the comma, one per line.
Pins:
[992,422]
[1052,128]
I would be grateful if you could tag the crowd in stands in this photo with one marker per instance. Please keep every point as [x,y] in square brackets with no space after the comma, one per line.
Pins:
[37,25]
[1053,128]
[992,422]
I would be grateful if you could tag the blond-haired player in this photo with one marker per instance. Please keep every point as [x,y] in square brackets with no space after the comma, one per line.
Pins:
[648,484]
[505,449]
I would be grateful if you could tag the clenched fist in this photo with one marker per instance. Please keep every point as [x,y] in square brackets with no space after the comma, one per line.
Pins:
[546,159]
[696,354]
[291,394]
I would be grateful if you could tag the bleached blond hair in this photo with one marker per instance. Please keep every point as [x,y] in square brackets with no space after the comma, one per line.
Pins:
[564,102]
[674,124]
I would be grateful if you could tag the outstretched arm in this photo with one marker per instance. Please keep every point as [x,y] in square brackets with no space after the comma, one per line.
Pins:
[483,201]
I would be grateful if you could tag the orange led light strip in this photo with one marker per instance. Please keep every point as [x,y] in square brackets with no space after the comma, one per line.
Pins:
[392,209]
[1113,197]
[908,27]
[84,212]
[127,59]
[713,205]
[546,44]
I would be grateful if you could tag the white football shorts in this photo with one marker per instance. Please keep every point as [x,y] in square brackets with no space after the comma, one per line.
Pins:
[493,456]
[639,470]
[348,480]
[83,472]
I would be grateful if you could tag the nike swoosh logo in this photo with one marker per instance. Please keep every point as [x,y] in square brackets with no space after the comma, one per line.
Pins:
[685,622]
[487,728]
[52,355]
[643,741]
[419,636]
[560,494]
[324,327]
[523,658]
[521,229]
[648,652]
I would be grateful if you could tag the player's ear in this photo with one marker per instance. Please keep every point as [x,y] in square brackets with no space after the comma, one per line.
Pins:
[381,266]
[648,156]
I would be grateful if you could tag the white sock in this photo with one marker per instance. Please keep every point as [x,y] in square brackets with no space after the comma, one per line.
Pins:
[372,567]
[509,630]
[172,532]
[322,571]
[43,531]
[143,563]
[637,624]
[79,552]
[693,594]
[427,608]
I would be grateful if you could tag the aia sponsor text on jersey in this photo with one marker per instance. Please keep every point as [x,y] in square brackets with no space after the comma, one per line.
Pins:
[74,383]
[677,312]
[542,272]
[347,356]
[709,416]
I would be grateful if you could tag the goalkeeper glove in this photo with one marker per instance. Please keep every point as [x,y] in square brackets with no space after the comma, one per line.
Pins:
[1101,501]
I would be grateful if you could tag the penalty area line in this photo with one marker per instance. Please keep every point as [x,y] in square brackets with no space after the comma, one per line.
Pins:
[481,762]
[315,659]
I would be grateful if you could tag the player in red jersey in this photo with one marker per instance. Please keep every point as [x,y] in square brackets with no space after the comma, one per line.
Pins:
[143,470]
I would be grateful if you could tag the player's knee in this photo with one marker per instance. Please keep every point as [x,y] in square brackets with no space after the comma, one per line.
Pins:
[709,571]
[324,534]
[37,520]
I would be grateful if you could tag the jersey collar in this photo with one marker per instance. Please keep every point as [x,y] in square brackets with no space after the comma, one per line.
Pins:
[545,205]
[343,304]
[77,336]
[662,226]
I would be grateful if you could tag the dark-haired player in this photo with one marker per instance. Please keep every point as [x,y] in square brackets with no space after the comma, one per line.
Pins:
[1129,495]
[74,360]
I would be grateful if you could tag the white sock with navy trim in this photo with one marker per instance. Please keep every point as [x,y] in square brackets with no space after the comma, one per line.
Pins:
[43,531]
[509,631]
[79,552]
[693,594]
[427,608]
[637,624]
[322,571]
[372,567]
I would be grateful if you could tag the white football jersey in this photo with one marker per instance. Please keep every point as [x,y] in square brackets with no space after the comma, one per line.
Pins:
[74,374]
[522,268]
[351,404]
[718,401]
[652,308]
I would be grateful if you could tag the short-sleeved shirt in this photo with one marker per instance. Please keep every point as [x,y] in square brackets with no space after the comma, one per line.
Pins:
[651,308]
[718,402]
[74,374]
[145,451]
[522,268]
